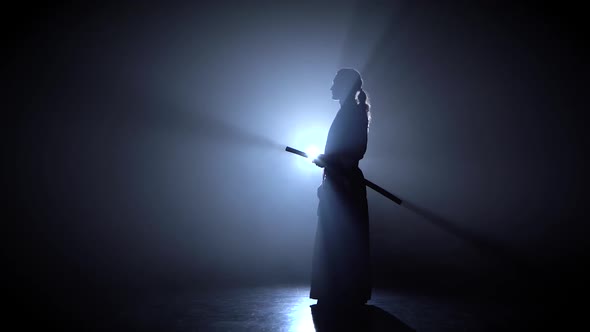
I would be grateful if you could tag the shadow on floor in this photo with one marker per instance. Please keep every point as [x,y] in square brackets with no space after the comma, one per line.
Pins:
[363,318]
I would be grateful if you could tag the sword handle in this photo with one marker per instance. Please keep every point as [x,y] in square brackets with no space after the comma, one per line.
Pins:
[367,182]
[297,152]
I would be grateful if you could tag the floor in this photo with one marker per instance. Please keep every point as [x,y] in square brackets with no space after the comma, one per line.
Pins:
[289,308]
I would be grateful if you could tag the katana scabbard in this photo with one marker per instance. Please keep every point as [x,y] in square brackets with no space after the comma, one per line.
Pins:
[368,183]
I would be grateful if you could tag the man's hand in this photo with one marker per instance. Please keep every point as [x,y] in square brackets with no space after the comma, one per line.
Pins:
[319,161]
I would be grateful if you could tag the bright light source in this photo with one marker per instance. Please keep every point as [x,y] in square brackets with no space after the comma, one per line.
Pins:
[312,152]
[311,141]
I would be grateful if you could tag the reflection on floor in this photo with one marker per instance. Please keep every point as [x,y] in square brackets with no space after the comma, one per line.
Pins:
[290,309]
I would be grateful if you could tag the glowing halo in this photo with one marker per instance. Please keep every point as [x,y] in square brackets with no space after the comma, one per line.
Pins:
[311,140]
[312,152]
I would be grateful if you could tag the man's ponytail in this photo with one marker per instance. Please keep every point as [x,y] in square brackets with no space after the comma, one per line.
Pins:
[363,103]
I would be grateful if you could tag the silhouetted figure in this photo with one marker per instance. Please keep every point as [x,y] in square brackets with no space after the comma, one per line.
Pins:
[341,271]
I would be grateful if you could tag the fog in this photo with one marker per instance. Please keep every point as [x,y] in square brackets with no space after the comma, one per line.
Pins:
[149,140]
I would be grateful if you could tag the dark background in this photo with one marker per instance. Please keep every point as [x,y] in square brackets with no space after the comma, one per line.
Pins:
[144,144]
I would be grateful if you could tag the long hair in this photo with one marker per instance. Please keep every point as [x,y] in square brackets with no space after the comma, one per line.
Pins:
[364,104]
[353,78]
